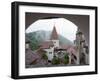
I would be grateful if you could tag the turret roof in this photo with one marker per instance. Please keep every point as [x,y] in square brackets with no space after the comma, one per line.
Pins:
[54,34]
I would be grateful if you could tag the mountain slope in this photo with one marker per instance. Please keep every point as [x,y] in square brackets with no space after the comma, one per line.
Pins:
[39,36]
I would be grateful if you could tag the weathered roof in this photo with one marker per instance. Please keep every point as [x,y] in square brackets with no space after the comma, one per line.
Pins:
[69,49]
[62,47]
[54,34]
[72,50]
[30,56]
[46,44]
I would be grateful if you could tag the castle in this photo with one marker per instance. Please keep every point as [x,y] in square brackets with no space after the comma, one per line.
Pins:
[50,45]
[53,48]
[78,54]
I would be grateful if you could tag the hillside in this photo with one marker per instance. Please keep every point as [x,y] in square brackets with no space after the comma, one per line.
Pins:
[39,36]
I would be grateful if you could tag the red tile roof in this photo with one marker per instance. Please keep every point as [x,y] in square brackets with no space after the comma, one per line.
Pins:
[72,50]
[64,47]
[46,44]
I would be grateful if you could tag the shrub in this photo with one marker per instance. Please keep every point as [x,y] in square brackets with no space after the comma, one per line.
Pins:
[44,56]
[66,59]
[55,60]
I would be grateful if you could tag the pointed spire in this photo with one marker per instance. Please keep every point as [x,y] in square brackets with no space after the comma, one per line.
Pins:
[79,32]
[54,34]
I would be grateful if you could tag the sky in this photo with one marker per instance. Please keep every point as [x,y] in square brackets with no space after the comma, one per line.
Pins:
[63,26]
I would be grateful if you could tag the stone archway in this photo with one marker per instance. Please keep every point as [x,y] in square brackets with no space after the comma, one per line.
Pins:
[82,21]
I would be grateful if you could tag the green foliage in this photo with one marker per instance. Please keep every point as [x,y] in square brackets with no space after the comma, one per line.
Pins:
[55,60]
[34,41]
[44,56]
[40,36]
[34,44]
[66,59]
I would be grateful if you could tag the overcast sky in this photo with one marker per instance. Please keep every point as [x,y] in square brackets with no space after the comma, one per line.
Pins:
[63,26]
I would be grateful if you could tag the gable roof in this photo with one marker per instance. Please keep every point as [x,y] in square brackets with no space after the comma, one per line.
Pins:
[54,34]
[62,47]
[46,44]
[30,56]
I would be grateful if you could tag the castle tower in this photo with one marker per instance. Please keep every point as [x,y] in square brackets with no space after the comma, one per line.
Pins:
[54,37]
[77,44]
[80,44]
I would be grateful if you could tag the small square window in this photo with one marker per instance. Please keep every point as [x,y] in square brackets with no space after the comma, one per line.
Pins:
[50,52]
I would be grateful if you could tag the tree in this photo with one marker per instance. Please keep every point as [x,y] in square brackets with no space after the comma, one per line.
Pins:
[44,56]
[55,60]
[66,58]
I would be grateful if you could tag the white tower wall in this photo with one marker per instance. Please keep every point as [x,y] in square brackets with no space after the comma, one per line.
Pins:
[56,43]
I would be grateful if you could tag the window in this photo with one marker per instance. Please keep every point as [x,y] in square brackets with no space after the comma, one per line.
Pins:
[50,52]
